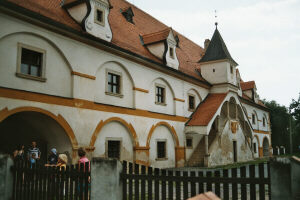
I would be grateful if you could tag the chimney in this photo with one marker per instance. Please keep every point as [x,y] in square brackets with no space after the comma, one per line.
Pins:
[206,43]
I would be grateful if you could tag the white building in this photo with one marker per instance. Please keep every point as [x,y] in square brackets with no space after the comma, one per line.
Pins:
[106,76]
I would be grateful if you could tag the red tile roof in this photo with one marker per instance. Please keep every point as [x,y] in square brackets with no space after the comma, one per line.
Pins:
[247,85]
[125,34]
[206,110]
[156,37]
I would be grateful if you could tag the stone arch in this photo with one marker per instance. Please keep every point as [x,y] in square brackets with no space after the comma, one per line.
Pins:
[198,95]
[5,113]
[128,126]
[257,138]
[43,38]
[266,146]
[167,83]
[171,128]
[120,65]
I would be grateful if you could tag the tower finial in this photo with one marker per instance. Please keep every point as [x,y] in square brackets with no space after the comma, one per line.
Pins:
[216,23]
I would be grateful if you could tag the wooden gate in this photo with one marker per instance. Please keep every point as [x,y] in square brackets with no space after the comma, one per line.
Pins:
[38,182]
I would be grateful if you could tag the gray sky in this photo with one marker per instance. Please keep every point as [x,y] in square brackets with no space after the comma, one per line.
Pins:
[263,36]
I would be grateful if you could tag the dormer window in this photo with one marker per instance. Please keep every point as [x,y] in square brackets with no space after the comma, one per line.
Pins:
[99,16]
[128,14]
[171,50]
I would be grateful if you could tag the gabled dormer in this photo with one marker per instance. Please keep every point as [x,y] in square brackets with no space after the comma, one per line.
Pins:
[249,89]
[163,45]
[217,65]
[92,15]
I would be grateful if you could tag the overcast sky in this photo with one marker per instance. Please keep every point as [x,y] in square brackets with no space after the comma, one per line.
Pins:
[263,37]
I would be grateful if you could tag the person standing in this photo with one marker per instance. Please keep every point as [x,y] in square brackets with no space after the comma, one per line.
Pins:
[82,158]
[19,153]
[34,150]
[53,158]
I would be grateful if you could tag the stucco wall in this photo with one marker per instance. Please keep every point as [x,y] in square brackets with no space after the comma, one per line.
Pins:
[221,150]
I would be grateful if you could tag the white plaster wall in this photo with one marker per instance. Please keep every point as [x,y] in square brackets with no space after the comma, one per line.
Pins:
[157,49]
[162,132]
[196,139]
[57,71]
[259,121]
[117,131]
[221,74]
[256,155]
[103,32]
[127,92]
[169,107]
[221,150]
[78,12]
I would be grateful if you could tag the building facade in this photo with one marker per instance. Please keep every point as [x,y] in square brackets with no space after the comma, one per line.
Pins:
[106,76]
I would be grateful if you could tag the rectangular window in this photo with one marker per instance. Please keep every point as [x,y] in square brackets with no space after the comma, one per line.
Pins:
[31,62]
[113,149]
[264,121]
[99,16]
[191,102]
[234,151]
[161,149]
[113,83]
[231,69]
[160,94]
[253,119]
[171,50]
[189,142]
[254,148]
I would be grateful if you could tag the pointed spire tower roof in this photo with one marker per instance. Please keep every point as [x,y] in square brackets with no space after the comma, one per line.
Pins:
[217,49]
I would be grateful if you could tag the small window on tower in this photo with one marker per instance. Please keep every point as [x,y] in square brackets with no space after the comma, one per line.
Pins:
[171,52]
[231,69]
[99,16]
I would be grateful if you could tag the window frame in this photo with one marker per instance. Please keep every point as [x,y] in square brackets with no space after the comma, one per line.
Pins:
[165,152]
[191,109]
[97,8]
[42,77]
[107,92]
[113,139]
[163,103]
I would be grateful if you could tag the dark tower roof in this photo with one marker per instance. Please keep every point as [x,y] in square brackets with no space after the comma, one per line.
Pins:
[216,50]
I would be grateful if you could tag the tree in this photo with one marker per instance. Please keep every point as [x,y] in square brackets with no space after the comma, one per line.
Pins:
[295,112]
[279,118]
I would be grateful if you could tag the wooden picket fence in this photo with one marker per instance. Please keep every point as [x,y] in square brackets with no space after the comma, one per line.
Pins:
[246,182]
[38,182]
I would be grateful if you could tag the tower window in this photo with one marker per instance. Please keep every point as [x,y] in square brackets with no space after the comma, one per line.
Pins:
[231,69]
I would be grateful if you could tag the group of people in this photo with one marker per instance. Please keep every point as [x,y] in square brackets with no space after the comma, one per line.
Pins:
[33,155]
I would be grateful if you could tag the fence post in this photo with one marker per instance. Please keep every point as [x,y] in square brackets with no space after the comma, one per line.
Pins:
[6,177]
[105,179]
